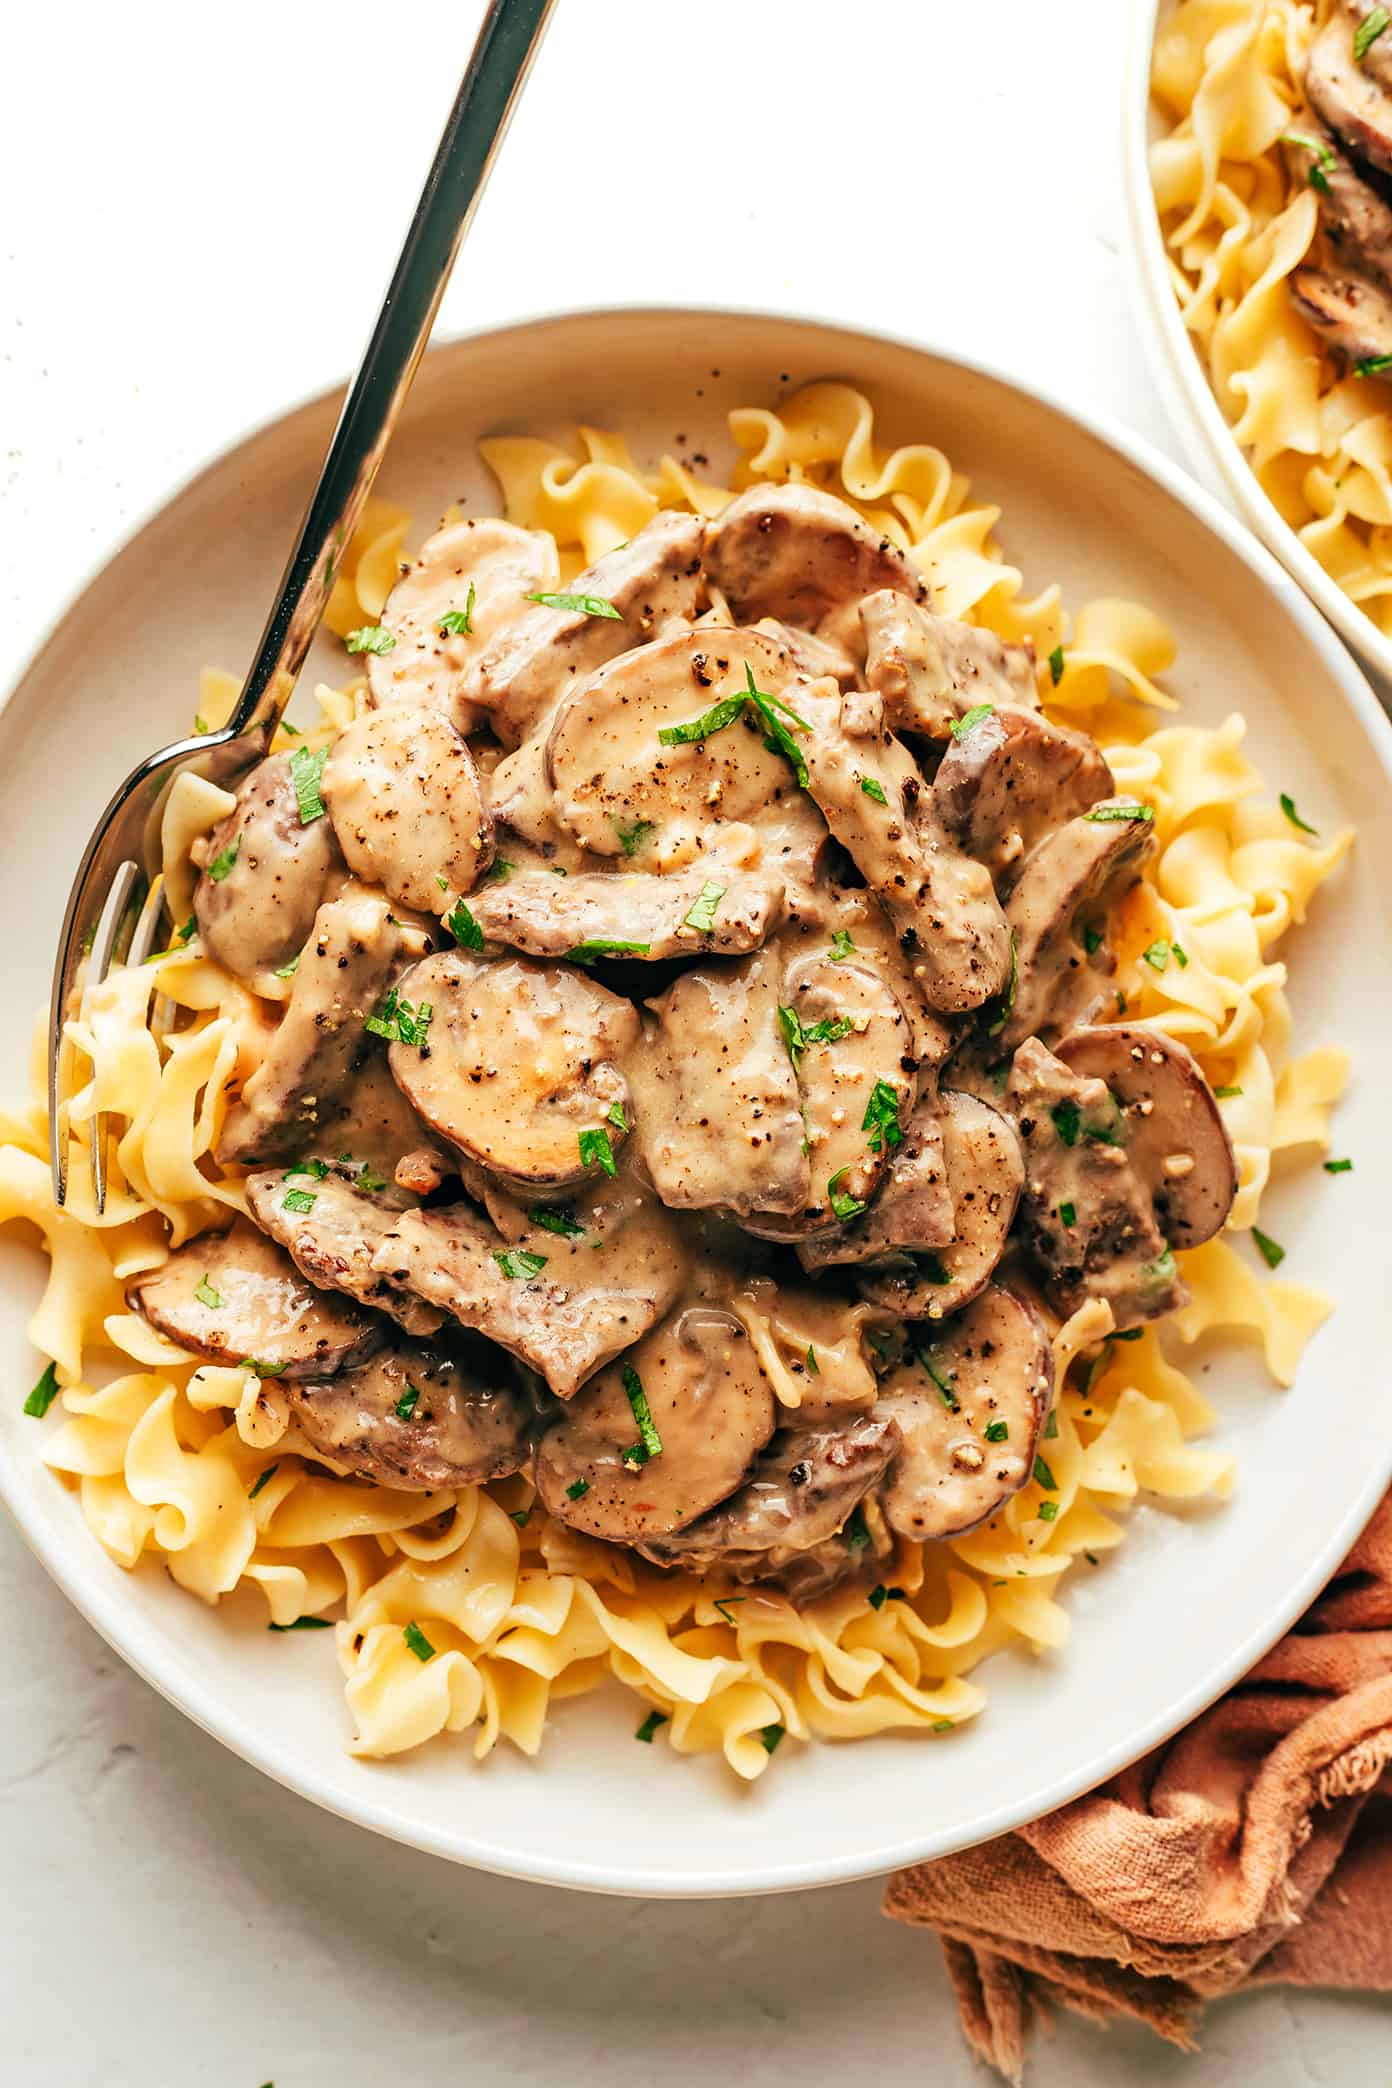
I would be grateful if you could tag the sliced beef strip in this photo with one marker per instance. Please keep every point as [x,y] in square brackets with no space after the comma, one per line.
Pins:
[1088,1215]
[913,1209]
[234,1297]
[985,1173]
[1009,780]
[521,1060]
[711,1408]
[343,973]
[969,1408]
[930,671]
[332,1243]
[415,1417]
[710,909]
[1072,878]
[273,873]
[1353,96]
[802,556]
[798,1497]
[561,1329]
[849,1038]
[540,657]
[1355,216]
[870,792]
[718,1119]
[429,661]
[408,807]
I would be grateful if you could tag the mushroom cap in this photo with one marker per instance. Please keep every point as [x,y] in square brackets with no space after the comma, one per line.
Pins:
[1012,777]
[260,912]
[414,1417]
[796,553]
[1074,867]
[408,807]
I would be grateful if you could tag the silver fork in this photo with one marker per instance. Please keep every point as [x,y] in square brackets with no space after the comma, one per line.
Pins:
[114,909]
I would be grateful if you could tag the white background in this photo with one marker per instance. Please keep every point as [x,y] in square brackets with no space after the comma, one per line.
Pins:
[200,206]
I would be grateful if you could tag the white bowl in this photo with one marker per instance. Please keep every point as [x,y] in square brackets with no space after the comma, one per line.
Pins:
[1182,380]
[1189,1602]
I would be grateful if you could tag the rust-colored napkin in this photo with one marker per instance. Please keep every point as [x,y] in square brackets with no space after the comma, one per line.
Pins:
[1254,1847]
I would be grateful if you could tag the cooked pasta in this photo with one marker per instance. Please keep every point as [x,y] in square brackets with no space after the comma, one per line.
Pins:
[473,1611]
[1227,76]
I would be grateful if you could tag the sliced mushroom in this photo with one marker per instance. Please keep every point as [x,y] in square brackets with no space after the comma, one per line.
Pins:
[614,777]
[969,1408]
[985,1174]
[564,1319]
[1078,871]
[710,1411]
[520,1064]
[1089,1212]
[266,872]
[849,1039]
[652,580]
[869,789]
[1352,94]
[798,1497]
[801,555]
[407,806]
[339,982]
[331,1228]
[709,909]
[415,1418]
[1009,779]
[469,585]
[1174,1133]
[716,1098]
[1351,313]
[930,671]
[233,1297]
[913,1209]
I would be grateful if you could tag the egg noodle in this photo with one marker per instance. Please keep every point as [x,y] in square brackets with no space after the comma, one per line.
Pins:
[199,1467]
[1227,75]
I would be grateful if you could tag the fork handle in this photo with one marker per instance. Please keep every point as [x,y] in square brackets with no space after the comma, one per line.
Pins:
[502,56]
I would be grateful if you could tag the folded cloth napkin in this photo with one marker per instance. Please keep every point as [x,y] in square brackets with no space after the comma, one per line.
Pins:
[1254,1847]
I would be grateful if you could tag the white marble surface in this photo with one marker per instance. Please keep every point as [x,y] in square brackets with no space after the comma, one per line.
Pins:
[200,206]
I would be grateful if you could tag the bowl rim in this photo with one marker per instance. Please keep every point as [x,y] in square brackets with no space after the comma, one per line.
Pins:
[82,1574]
[1180,377]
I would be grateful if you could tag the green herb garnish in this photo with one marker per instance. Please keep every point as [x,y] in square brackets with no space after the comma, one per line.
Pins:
[408,1402]
[1372,365]
[595,1150]
[631,839]
[400,1022]
[222,863]
[846,1207]
[1047,1511]
[874,789]
[288,971]
[702,914]
[264,1480]
[856,1534]
[307,773]
[841,947]
[601,946]
[614,1115]
[710,722]
[1092,939]
[962,726]
[260,1369]
[769,1737]
[459,623]
[1226,1094]
[649,1441]
[944,1384]
[418,1642]
[43,1394]
[650,1725]
[1068,1214]
[1367,34]
[1321,159]
[997,1019]
[1138,813]
[1044,1476]
[815,1367]
[519,1263]
[881,1118]
[206,1295]
[372,638]
[878,1596]
[1157,956]
[1338,1167]
[725,1605]
[1288,802]
[555,1222]
[464,928]
[300,1200]
[1272,1254]
[996,1431]
[303,1624]
[579,1487]
[1056,665]
[1067,1120]
[583,604]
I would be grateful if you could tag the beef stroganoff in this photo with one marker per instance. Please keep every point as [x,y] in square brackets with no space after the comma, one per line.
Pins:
[683,1121]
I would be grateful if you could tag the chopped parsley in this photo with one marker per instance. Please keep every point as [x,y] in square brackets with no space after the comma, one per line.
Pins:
[777,737]
[970,719]
[559,1222]
[408,1402]
[464,928]
[693,730]
[1367,34]
[372,638]
[1047,1511]
[206,1295]
[459,623]
[190,929]
[878,1596]
[1321,158]
[930,1268]
[1056,665]
[595,1150]
[998,1014]
[1372,365]
[702,914]
[582,604]
[1226,1094]
[843,1204]
[1181,957]
[314,1170]
[264,1480]
[614,1115]
[303,1624]
[577,1488]
[1157,956]
[498,871]
[1137,813]
[262,1370]
[43,1394]
[1338,1167]
[307,773]
[288,971]
[1067,1120]
[418,1642]
[601,946]
[518,1263]
[649,1442]
[396,1019]
[996,1431]
[1272,1254]
[944,1384]
[856,1535]
[1092,939]
[300,1200]
[1068,1214]
[1161,1271]
[1051,1425]
[796,1038]
[815,1367]
[881,1118]
[631,839]
[223,861]
[874,789]
[841,947]
[650,1725]
[1044,1476]
[1288,802]
[521,1516]
[725,1605]
[769,1737]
